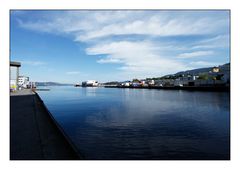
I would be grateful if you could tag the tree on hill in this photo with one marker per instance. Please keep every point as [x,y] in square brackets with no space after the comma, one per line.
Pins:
[203,76]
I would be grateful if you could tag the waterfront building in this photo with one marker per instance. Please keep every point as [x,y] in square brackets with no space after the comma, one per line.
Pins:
[143,81]
[14,74]
[31,85]
[90,83]
[189,77]
[126,83]
[23,81]
[136,83]
[165,82]
[225,70]
[151,82]
[215,69]
[178,82]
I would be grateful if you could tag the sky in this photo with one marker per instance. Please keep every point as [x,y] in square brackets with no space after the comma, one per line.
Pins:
[74,46]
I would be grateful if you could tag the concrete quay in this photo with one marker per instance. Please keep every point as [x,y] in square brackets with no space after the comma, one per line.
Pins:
[34,134]
[188,88]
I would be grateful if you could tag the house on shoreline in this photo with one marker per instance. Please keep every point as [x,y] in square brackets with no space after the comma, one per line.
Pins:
[18,82]
[14,75]
[203,77]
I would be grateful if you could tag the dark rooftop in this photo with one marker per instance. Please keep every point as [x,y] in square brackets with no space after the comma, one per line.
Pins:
[14,63]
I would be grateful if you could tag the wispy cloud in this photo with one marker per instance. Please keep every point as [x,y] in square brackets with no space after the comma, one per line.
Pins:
[170,37]
[33,63]
[72,72]
[96,24]
[204,64]
[77,74]
[195,54]
[154,26]
[219,41]
[142,58]
[109,59]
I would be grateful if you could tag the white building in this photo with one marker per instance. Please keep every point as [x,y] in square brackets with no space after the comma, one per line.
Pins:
[90,83]
[14,74]
[23,81]
[151,82]
[126,83]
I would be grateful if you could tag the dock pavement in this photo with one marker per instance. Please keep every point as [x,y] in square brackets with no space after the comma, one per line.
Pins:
[33,133]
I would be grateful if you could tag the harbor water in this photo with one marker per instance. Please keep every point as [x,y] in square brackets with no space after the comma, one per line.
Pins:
[148,124]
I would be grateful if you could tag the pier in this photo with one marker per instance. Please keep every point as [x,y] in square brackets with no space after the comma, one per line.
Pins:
[34,134]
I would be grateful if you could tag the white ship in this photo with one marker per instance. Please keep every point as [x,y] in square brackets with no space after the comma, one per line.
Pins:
[90,83]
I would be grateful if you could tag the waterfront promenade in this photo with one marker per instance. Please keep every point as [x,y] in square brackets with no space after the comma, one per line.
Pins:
[33,133]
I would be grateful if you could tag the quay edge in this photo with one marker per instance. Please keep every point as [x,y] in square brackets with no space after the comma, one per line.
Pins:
[34,133]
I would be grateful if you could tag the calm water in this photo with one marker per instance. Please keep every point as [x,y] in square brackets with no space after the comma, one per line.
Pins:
[109,123]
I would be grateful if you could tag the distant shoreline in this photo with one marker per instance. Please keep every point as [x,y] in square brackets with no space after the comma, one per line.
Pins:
[190,88]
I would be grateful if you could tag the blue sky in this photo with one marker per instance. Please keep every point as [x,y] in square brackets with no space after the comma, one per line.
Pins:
[73,46]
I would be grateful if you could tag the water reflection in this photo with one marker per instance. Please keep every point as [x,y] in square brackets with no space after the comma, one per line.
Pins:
[143,124]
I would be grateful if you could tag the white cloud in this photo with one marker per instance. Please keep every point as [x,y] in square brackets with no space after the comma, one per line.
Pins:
[72,72]
[203,64]
[155,26]
[33,63]
[134,57]
[195,54]
[87,25]
[109,60]
[140,58]
[220,41]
